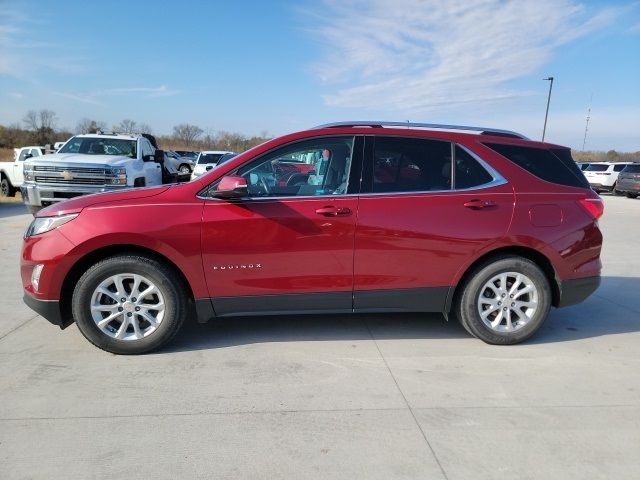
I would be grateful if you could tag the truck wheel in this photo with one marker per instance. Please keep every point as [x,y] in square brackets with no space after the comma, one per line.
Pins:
[184,169]
[6,189]
[129,304]
[504,300]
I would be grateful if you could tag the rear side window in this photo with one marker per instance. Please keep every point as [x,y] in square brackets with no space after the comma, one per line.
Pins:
[553,165]
[411,165]
[618,168]
[469,173]
[632,168]
[597,167]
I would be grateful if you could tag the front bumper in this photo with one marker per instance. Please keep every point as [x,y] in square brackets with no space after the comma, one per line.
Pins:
[577,290]
[43,195]
[49,309]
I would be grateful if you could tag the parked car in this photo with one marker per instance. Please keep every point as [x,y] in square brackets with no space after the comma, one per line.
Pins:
[629,181]
[602,176]
[183,165]
[207,160]
[12,173]
[188,154]
[482,225]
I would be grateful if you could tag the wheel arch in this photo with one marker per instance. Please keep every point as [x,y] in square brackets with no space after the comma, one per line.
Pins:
[85,262]
[529,253]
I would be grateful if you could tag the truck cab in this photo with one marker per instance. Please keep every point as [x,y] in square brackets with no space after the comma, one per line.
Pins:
[11,173]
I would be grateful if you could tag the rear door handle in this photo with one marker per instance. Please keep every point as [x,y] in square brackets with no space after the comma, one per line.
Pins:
[331,211]
[479,204]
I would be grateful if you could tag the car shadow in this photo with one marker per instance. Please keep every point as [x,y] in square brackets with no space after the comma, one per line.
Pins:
[610,311]
[12,209]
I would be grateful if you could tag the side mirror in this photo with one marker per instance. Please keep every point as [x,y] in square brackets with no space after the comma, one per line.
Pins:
[158,156]
[208,167]
[28,156]
[232,186]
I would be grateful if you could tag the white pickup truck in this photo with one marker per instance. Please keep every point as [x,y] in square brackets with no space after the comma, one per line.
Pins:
[11,173]
[93,163]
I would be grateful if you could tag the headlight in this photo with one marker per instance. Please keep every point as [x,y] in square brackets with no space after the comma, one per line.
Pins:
[28,175]
[45,224]
[117,176]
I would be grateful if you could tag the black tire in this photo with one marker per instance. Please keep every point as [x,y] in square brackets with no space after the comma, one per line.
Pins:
[184,169]
[632,195]
[173,291]
[6,189]
[617,192]
[467,311]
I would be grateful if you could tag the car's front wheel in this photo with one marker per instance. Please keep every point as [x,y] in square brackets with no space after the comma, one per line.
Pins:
[504,300]
[184,169]
[129,304]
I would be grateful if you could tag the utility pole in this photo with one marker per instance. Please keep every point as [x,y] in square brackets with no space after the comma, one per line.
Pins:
[586,126]
[544,129]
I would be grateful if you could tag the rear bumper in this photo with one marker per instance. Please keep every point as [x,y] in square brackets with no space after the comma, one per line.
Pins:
[600,186]
[577,290]
[49,309]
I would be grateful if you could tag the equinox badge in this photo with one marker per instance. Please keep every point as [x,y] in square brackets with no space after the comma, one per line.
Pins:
[237,267]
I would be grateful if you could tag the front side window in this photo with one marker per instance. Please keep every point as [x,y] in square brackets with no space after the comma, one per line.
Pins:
[147,149]
[618,168]
[315,167]
[100,146]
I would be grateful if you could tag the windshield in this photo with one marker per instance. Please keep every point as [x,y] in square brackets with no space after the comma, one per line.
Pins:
[597,167]
[100,146]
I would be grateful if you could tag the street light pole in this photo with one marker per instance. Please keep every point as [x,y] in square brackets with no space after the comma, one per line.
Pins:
[544,129]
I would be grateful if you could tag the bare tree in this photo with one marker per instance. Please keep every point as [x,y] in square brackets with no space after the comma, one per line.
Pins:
[47,119]
[42,125]
[187,133]
[127,126]
[144,128]
[87,125]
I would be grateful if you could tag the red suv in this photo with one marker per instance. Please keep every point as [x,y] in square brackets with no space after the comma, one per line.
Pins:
[480,224]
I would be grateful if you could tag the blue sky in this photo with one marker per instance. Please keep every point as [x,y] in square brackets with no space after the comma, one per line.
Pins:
[257,66]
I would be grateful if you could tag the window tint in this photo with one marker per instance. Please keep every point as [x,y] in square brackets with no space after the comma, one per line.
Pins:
[309,168]
[618,168]
[411,165]
[552,166]
[597,167]
[635,168]
[469,173]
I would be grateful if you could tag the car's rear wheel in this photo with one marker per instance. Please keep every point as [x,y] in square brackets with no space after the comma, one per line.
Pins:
[129,304]
[631,195]
[504,300]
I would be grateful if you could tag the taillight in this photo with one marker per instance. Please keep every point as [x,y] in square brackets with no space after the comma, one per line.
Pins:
[593,206]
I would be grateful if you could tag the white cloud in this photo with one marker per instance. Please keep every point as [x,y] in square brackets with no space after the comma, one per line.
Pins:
[415,56]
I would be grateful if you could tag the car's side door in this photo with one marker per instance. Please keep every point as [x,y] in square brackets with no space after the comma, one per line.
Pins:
[426,207]
[18,167]
[288,246]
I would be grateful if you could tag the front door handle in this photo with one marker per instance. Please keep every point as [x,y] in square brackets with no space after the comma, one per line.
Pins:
[479,204]
[331,211]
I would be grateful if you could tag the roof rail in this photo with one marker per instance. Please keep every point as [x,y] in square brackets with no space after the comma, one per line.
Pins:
[433,126]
